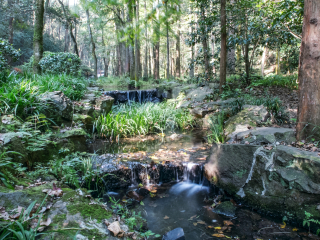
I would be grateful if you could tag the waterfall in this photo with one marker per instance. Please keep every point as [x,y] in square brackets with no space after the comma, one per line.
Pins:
[139,96]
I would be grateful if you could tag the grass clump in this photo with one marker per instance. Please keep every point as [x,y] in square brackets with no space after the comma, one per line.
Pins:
[289,81]
[142,119]
[19,94]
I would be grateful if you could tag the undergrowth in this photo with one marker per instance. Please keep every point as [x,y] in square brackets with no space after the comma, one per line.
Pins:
[289,81]
[141,119]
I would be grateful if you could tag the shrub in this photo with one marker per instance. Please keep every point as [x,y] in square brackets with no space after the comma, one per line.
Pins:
[7,51]
[57,63]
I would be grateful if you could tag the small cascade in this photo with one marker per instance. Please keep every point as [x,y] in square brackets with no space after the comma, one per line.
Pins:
[130,96]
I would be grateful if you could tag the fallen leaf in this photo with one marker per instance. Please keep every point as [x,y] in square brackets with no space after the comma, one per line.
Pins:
[219,235]
[217,228]
[295,229]
[195,224]
[201,222]
[210,226]
[141,203]
[227,222]
[166,217]
[283,226]
[46,223]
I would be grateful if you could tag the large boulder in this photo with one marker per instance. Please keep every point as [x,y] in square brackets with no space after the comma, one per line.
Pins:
[250,117]
[104,104]
[60,106]
[83,120]
[283,180]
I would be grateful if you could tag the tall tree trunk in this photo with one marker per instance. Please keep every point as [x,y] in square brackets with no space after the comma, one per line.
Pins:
[38,36]
[145,74]
[247,62]
[150,68]
[191,73]
[263,59]
[93,46]
[178,67]
[205,44]
[278,61]
[137,43]
[223,53]
[156,49]
[168,44]
[105,58]
[66,40]
[131,40]
[10,6]
[238,58]
[213,50]
[309,74]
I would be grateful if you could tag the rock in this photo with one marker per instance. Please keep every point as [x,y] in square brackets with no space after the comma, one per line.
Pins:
[175,234]
[200,94]
[250,116]
[207,120]
[115,228]
[104,104]
[225,208]
[278,180]
[90,97]
[76,139]
[134,195]
[60,106]
[9,123]
[266,135]
[85,121]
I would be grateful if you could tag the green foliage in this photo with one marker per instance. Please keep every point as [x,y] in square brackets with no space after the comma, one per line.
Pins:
[142,119]
[308,220]
[20,94]
[62,62]
[20,229]
[289,81]
[217,128]
[7,51]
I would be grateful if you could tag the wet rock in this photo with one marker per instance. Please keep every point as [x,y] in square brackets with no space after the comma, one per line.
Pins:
[60,106]
[175,234]
[134,195]
[277,180]
[90,97]
[76,139]
[115,228]
[104,104]
[225,208]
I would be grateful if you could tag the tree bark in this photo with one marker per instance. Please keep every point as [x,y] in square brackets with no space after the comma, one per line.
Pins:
[263,59]
[178,66]
[156,48]
[38,36]
[137,43]
[205,44]
[93,46]
[223,53]
[131,41]
[309,74]
[69,26]
[10,6]
[145,71]
[278,61]
[168,46]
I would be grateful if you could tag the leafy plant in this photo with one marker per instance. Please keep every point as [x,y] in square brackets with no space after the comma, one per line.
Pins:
[7,51]
[308,220]
[216,128]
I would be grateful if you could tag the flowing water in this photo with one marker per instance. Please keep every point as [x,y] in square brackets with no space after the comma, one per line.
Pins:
[188,200]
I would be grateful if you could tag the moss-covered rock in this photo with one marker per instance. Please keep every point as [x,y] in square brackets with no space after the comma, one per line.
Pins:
[9,123]
[84,121]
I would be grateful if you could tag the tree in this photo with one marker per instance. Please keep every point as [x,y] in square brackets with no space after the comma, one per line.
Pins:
[38,36]
[309,73]
[93,46]
[223,53]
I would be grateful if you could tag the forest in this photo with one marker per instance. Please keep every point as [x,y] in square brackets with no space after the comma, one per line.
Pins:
[173,119]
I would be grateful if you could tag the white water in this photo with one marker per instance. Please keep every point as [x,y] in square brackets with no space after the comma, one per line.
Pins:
[190,188]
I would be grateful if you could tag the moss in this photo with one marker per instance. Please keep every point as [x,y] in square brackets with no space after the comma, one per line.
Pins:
[93,234]
[94,211]
[59,218]
[241,173]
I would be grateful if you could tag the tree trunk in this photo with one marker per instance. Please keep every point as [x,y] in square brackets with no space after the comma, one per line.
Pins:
[93,46]
[278,61]
[66,40]
[131,40]
[168,46]
[205,44]
[156,50]
[223,53]
[178,67]
[38,36]
[191,73]
[145,74]
[309,74]
[137,43]
[10,6]
[263,59]
[247,62]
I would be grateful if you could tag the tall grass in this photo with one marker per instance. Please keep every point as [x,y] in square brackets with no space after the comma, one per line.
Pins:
[142,119]
[289,81]
[19,94]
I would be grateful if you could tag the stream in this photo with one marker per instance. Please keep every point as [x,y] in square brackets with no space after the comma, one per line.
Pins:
[188,201]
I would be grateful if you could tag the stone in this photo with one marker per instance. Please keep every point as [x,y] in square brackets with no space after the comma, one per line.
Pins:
[84,120]
[91,97]
[277,180]
[115,228]
[9,123]
[60,106]
[76,139]
[200,94]
[175,234]
[250,117]
[265,135]
[225,208]
[104,104]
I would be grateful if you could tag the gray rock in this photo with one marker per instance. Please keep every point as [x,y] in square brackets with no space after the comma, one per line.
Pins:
[225,208]
[60,106]
[104,104]
[279,180]
[175,234]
